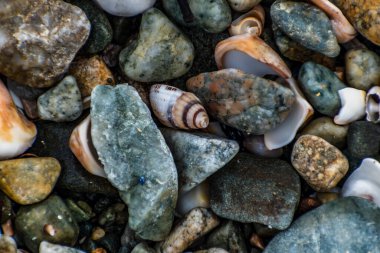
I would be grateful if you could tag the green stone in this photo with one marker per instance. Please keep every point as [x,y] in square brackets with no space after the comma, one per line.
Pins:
[228,236]
[321,86]
[160,53]
[80,214]
[363,139]
[142,248]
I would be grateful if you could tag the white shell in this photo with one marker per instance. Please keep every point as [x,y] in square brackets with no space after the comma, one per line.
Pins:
[364,181]
[125,8]
[243,5]
[251,22]
[197,197]
[373,104]
[82,147]
[353,106]
[176,108]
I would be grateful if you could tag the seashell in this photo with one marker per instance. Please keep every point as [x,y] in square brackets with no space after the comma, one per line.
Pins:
[125,8]
[197,197]
[372,104]
[81,145]
[343,30]
[251,55]
[17,133]
[252,22]
[353,106]
[364,181]
[243,5]
[176,108]
[256,145]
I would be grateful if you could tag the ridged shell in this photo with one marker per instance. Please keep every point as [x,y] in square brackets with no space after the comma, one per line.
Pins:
[176,108]
[243,5]
[252,22]
[373,104]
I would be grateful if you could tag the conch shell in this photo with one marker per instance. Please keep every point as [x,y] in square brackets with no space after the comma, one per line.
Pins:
[243,5]
[251,22]
[353,106]
[81,145]
[176,108]
[373,104]
[17,133]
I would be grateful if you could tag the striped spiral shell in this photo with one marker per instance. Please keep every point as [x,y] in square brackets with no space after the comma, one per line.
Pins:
[176,108]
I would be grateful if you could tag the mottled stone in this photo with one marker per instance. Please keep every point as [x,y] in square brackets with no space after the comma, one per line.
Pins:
[29,180]
[251,189]
[7,244]
[228,236]
[89,73]
[160,53]
[136,158]
[143,248]
[61,103]
[307,25]
[46,247]
[346,225]
[212,16]
[321,86]
[194,225]
[246,102]
[321,164]
[363,139]
[101,30]
[198,155]
[37,45]
[362,69]
[325,128]
[31,223]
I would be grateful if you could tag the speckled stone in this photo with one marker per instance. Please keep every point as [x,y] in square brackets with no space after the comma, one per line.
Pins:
[29,180]
[142,248]
[251,189]
[228,236]
[46,48]
[198,155]
[345,225]
[325,128]
[362,69]
[307,25]
[363,139]
[212,16]
[136,158]
[248,103]
[61,103]
[321,86]
[321,164]
[160,53]
[7,244]
[31,220]
[46,247]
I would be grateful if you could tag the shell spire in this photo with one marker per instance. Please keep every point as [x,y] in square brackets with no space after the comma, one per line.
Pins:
[176,108]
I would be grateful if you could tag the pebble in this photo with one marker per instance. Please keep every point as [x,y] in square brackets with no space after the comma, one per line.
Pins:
[80,210]
[228,236]
[126,8]
[251,189]
[29,180]
[97,234]
[331,228]
[321,86]
[31,220]
[363,139]
[61,103]
[6,208]
[212,250]
[160,53]
[49,47]
[321,164]
[198,155]
[122,131]
[143,248]
[7,244]
[46,247]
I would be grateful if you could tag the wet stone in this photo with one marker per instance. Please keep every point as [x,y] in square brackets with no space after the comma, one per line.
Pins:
[142,248]
[80,210]
[228,236]
[251,189]
[363,139]
[6,208]
[46,247]
[7,244]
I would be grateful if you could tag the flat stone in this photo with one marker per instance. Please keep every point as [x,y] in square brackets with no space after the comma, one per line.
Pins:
[348,224]
[160,53]
[246,102]
[29,180]
[198,155]
[46,48]
[46,247]
[61,103]
[321,164]
[228,236]
[363,139]
[7,244]
[251,189]
[321,86]
[31,223]
[136,158]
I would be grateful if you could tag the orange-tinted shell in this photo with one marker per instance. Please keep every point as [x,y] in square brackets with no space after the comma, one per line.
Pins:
[251,22]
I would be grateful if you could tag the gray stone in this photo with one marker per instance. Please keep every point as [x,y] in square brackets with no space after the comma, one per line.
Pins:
[46,247]
[136,158]
[228,236]
[198,155]
[160,53]
[252,189]
[345,225]
[363,139]
[61,103]
[37,45]
[142,248]
[321,86]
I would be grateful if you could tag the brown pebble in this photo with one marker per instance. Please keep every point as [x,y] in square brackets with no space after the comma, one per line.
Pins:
[97,234]
[50,230]
[256,241]
[325,197]
[30,108]
[308,204]
[99,250]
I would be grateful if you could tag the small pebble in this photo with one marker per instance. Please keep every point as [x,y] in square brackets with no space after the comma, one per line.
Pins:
[97,234]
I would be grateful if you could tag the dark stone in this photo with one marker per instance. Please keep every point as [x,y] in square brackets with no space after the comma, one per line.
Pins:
[228,236]
[5,208]
[110,242]
[363,139]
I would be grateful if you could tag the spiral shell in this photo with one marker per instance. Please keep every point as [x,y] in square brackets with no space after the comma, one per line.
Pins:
[176,108]
[251,22]
[373,104]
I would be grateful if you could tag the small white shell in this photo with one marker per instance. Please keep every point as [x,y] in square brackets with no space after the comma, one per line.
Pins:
[364,181]
[196,197]
[373,104]
[82,147]
[251,22]
[353,106]
[243,5]
[176,108]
